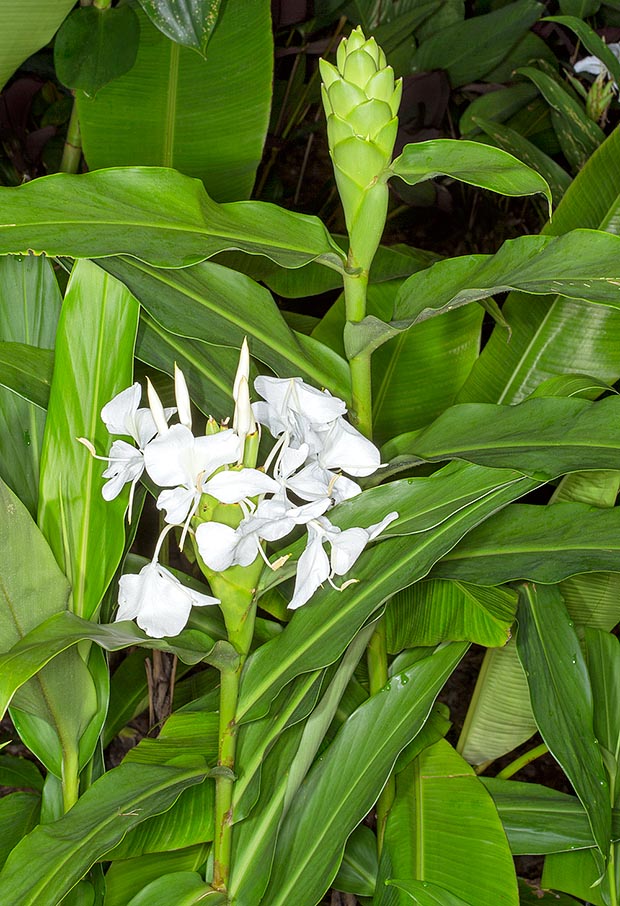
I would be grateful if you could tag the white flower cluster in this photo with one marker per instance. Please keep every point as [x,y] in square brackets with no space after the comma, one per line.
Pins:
[314,446]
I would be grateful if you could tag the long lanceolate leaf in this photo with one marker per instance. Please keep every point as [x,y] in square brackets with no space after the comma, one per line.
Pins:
[52,859]
[542,437]
[318,633]
[342,787]
[562,701]
[214,304]
[154,214]
[93,362]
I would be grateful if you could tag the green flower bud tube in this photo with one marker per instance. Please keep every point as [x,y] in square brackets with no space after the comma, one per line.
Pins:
[361,101]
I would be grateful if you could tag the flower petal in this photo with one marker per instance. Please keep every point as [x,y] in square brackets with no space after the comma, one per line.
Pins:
[237,485]
[118,414]
[312,571]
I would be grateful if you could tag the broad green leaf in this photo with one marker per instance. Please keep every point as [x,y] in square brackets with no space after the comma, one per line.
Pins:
[154,214]
[185,888]
[426,894]
[499,717]
[214,304]
[128,878]
[430,612]
[19,773]
[28,26]
[206,117]
[577,873]
[581,265]
[470,162]
[544,544]
[19,814]
[578,135]
[93,362]
[538,819]
[342,787]
[590,40]
[188,22]
[468,50]
[29,308]
[27,371]
[562,702]
[510,140]
[358,871]
[496,106]
[442,808]
[94,46]
[63,630]
[542,437]
[320,631]
[50,860]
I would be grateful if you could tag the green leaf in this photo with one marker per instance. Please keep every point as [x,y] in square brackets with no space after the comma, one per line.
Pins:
[562,701]
[426,894]
[51,860]
[581,8]
[510,140]
[578,135]
[93,362]
[153,214]
[320,631]
[430,612]
[496,106]
[19,814]
[19,773]
[63,630]
[543,544]
[577,873]
[531,895]
[206,117]
[342,787]
[581,264]
[542,437]
[441,807]
[602,652]
[538,819]
[590,40]
[499,717]
[28,26]
[214,304]
[27,371]
[185,888]
[469,162]
[29,308]
[188,22]
[468,50]
[358,871]
[94,46]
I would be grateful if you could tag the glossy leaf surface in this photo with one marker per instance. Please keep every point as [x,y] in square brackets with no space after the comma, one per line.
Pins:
[28,26]
[188,22]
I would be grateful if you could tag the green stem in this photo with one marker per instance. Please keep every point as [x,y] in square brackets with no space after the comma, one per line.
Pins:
[611,876]
[70,778]
[522,761]
[224,783]
[72,151]
[355,288]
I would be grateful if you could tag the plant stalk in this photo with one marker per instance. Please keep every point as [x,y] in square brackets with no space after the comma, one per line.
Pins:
[355,288]
[522,761]
[377,678]
[72,151]
[224,783]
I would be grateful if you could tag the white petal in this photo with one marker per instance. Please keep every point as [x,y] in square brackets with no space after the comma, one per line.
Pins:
[345,448]
[218,545]
[144,427]
[243,418]
[119,412]
[169,459]
[159,414]
[592,65]
[233,486]
[346,548]
[312,570]
[378,527]
[181,394]
[158,602]
[243,369]
[126,464]
[177,502]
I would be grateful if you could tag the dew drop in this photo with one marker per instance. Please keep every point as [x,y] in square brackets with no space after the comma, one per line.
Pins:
[27,438]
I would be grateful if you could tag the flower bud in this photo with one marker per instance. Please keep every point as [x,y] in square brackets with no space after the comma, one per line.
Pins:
[361,101]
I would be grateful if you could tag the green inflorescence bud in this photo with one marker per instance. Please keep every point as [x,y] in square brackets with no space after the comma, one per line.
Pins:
[361,101]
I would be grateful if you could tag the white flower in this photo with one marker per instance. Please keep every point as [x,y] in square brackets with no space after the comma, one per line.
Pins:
[221,546]
[157,601]
[315,567]
[126,463]
[593,65]
[295,408]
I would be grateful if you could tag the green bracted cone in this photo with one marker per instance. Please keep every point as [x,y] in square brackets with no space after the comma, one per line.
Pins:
[361,102]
